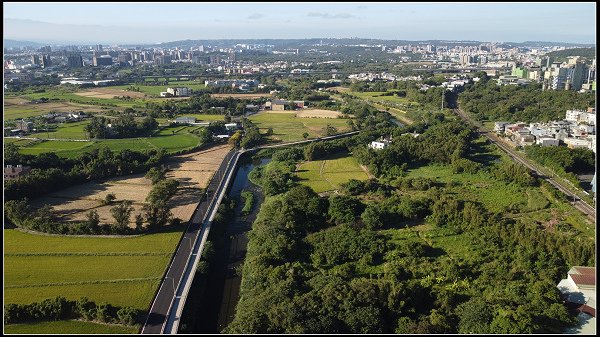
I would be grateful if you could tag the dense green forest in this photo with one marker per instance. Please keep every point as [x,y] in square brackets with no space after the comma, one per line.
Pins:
[565,162]
[489,101]
[563,54]
[354,262]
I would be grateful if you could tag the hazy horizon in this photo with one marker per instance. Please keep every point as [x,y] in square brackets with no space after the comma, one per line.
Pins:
[131,23]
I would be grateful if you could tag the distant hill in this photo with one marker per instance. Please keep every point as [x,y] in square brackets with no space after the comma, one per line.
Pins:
[538,44]
[284,43]
[8,43]
[588,53]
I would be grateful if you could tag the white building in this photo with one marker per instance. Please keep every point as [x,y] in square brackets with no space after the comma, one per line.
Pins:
[231,126]
[546,141]
[499,126]
[592,140]
[581,116]
[579,289]
[179,92]
[574,143]
[377,145]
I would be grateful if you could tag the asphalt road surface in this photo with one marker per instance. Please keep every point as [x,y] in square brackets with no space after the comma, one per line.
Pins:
[167,291]
[162,301]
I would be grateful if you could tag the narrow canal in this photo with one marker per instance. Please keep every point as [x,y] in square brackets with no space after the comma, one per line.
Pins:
[213,297]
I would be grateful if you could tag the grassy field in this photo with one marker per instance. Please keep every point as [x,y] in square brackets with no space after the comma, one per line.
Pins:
[16,111]
[65,131]
[327,175]
[377,97]
[155,90]
[288,127]
[119,271]
[68,327]
[517,202]
[173,139]
[205,117]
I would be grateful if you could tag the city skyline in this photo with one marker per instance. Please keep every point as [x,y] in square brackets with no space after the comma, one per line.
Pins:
[123,23]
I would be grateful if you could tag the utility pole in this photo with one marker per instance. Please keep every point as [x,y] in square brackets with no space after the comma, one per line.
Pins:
[443,92]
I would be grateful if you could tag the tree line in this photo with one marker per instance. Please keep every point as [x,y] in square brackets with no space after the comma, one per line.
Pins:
[50,173]
[513,103]
[59,308]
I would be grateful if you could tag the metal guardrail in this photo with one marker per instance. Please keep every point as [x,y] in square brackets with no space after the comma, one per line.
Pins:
[194,258]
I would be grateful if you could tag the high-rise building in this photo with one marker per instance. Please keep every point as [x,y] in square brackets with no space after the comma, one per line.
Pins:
[162,59]
[98,47]
[35,59]
[102,60]
[579,75]
[124,59]
[215,59]
[74,61]
[46,62]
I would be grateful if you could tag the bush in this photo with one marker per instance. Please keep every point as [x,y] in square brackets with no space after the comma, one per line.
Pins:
[248,202]
[127,315]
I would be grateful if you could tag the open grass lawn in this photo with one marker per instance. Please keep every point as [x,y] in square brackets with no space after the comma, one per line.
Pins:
[377,97]
[287,127]
[119,271]
[205,117]
[61,148]
[68,327]
[182,139]
[329,174]
[65,131]
[155,90]
[14,111]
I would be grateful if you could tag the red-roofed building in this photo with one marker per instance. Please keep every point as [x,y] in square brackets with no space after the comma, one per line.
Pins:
[579,292]
[583,277]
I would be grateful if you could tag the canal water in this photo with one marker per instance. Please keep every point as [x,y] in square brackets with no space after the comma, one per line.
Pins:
[221,292]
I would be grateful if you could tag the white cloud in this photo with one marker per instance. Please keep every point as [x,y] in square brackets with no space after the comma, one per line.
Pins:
[256,16]
[331,16]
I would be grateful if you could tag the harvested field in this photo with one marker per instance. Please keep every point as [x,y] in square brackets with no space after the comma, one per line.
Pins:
[242,96]
[75,202]
[193,171]
[110,93]
[184,203]
[318,113]
[124,189]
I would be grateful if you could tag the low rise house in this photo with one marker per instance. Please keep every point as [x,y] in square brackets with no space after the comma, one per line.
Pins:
[574,143]
[185,120]
[231,126]
[24,126]
[499,126]
[546,141]
[380,144]
[178,92]
[525,138]
[15,172]
[579,292]
[592,140]
[280,105]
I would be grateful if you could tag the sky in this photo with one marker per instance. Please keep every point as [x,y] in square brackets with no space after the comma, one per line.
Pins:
[154,22]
